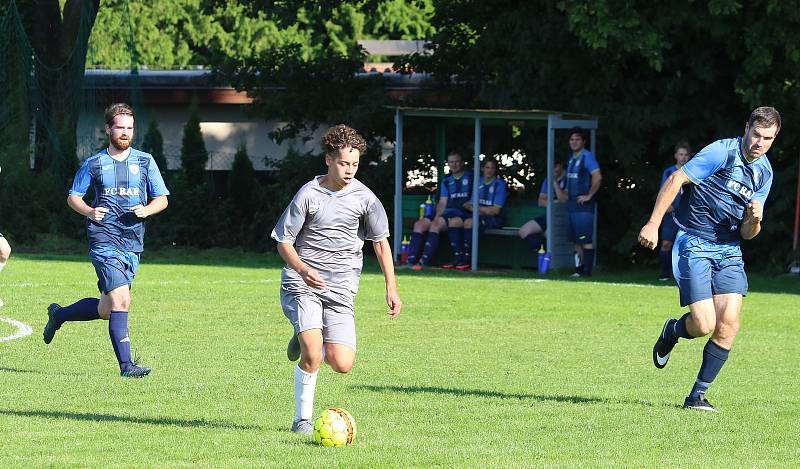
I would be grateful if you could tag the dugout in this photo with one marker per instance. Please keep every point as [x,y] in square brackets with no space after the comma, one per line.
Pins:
[442,119]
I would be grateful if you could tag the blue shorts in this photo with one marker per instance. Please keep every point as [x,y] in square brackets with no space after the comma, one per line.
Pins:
[456,212]
[488,223]
[542,221]
[669,229]
[581,227]
[703,268]
[114,267]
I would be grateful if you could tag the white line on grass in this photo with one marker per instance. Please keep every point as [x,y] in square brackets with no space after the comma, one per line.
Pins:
[144,282]
[23,330]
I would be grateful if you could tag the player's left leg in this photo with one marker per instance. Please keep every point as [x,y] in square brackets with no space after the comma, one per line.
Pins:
[455,233]
[466,252]
[339,335]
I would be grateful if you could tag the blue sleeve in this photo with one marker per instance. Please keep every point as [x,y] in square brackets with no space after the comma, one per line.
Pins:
[707,162]
[155,183]
[544,189]
[590,162]
[444,192]
[763,191]
[83,178]
[500,193]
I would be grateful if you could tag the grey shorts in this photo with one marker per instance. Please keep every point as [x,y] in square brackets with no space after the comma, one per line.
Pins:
[311,311]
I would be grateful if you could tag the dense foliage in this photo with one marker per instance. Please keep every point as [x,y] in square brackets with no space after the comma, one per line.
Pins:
[656,73]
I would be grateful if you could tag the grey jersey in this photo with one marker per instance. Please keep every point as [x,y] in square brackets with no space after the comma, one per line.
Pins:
[328,230]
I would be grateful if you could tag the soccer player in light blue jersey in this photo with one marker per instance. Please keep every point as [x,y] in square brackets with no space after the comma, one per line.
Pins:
[320,235]
[492,193]
[669,229]
[456,190]
[128,188]
[725,186]
[583,182]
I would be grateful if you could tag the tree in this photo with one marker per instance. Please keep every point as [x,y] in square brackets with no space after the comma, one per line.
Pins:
[59,38]
[194,155]
[153,143]
[242,184]
[657,73]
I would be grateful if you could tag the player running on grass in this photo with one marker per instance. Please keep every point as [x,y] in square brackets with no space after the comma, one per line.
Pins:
[726,185]
[320,236]
[128,188]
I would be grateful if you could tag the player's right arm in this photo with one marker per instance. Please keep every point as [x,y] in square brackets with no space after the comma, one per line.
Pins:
[95,214]
[310,275]
[648,236]
[79,187]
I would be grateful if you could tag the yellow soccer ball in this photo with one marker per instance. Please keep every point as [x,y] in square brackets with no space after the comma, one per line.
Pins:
[335,427]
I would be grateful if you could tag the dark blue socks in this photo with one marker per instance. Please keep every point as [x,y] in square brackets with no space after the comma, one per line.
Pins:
[467,255]
[415,247]
[81,310]
[456,236]
[679,328]
[588,261]
[714,357]
[534,241]
[118,332]
[431,243]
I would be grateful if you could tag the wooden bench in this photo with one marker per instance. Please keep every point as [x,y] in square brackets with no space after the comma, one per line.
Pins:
[498,246]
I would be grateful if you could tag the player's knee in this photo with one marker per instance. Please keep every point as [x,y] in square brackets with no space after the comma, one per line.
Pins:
[726,331]
[341,366]
[438,224]
[5,250]
[704,325]
[455,222]
[421,226]
[311,360]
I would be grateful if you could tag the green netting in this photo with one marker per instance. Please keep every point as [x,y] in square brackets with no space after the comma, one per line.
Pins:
[50,117]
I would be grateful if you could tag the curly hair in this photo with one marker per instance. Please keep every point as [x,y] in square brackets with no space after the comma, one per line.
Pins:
[342,136]
[116,109]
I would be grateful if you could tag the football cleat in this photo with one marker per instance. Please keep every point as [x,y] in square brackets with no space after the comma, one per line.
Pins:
[293,349]
[135,371]
[450,265]
[698,403]
[664,345]
[417,267]
[303,427]
[50,328]
[463,267]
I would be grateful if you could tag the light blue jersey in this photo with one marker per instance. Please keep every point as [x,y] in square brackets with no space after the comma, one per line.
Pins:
[457,190]
[714,206]
[492,193]
[119,186]
[579,180]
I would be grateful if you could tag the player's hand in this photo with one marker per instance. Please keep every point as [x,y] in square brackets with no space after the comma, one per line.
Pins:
[312,278]
[393,300]
[582,199]
[468,206]
[755,212]
[97,213]
[140,211]
[648,236]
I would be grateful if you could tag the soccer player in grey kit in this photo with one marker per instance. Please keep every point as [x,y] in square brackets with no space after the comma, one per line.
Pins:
[320,236]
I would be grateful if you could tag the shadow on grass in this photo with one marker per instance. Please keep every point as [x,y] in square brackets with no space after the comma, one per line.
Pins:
[503,395]
[193,423]
[16,370]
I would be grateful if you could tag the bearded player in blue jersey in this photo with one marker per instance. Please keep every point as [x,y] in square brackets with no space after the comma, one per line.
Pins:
[128,188]
[725,186]
[669,229]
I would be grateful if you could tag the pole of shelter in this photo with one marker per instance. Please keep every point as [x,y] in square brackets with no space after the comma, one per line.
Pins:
[476,180]
[797,209]
[398,183]
[551,152]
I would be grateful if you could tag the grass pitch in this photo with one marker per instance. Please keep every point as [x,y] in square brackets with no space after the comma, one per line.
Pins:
[485,370]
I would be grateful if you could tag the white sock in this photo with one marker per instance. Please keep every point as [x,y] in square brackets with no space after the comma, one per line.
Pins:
[304,386]
[2,264]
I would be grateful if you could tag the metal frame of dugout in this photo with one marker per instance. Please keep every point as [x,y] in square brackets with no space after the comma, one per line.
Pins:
[561,251]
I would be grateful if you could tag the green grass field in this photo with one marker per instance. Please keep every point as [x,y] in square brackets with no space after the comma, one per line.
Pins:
[485,370]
